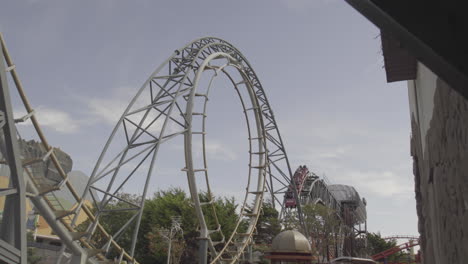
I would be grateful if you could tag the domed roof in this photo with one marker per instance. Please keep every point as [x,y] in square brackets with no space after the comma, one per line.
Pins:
[290,241]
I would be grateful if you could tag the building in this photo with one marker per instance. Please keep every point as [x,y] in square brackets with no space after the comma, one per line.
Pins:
[43,172]
[425,44]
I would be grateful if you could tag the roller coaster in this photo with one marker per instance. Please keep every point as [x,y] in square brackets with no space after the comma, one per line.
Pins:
[386,253]
[395,237]
[171,103]
[342,199]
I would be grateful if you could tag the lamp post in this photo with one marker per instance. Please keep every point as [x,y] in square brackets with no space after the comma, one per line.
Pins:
[171,233]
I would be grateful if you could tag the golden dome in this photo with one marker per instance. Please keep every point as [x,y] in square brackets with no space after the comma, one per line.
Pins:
[290,241]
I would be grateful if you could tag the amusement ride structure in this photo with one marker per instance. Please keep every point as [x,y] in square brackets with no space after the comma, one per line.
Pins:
[413,241]
[344,200]
[172,102]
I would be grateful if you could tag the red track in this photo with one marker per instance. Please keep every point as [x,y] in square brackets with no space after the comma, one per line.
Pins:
[409,237]
[299,178]
[394,250]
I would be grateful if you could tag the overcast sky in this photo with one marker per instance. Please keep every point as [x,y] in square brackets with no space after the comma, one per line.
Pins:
[319,62]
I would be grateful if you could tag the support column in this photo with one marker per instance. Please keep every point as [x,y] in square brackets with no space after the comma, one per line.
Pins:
[250,253]
[13,227]
[78,259]
[203,251]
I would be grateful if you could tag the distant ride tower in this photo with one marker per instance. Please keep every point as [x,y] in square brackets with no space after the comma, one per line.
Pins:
[344,200]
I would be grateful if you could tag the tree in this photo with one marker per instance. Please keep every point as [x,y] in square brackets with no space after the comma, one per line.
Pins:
[268,224]
[377,244]
[112,221]
[32,256]
[225,213]
[159,244]
[322,224]
[290,221]
[151,247]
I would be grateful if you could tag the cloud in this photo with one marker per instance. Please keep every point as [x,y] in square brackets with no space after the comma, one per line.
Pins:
[219,151]
[371,158]
[109,109]
[55,119]
[355,165]
[333,153]
[380,183]
[214,150]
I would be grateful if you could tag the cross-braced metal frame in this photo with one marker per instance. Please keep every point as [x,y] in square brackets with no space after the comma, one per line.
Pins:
[315,190]
[40,194]
[13,222]
[172,102]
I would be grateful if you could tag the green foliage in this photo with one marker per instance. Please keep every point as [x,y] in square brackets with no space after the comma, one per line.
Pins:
[113,221]
[159,245]
[377,244]
[290,221]
[225,213]
[151,247]
[323,225]
[175,202]
[32,256]
[268,225]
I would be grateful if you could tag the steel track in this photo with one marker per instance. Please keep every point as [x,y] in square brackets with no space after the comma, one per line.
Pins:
[163,108]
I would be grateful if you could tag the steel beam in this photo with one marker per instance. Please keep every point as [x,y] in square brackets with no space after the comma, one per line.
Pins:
[13,226]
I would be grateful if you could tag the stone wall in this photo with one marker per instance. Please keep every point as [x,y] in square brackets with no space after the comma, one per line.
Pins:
[440,155]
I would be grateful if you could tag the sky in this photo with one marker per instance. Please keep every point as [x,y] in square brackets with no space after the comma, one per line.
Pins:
[319,62]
